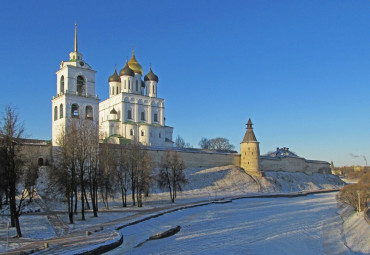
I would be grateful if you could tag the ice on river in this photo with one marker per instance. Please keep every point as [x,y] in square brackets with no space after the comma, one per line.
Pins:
[302,225]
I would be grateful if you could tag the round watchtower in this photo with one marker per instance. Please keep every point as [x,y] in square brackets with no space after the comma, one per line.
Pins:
[250,152]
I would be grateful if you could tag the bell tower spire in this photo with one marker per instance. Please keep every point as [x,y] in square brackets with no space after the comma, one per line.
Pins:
[75,37]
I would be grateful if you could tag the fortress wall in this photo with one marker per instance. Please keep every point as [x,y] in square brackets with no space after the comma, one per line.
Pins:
[294,165]
[315,166]
[198,159]
[37,151]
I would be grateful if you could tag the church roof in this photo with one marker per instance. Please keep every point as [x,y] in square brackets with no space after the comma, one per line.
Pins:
[282,153]
[134,65]
[151,76]
[114,77]
[249,134]
[126,70]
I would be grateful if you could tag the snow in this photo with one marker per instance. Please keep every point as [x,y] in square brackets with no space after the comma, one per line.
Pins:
[236,227]
[247,226]
[356,231]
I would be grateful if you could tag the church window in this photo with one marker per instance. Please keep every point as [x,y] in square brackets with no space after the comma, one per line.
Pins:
[62,84]
[129,84]
[155,117]
[153,90]
[142,132]
[131,132]
[55,112]
[80,85]
[142,115]
[137,86]
[89,112]
[129,115]
[124,84]
[61,111]
[116,90]
[75,111]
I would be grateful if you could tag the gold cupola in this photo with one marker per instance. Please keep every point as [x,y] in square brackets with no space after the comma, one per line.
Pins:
[134,65]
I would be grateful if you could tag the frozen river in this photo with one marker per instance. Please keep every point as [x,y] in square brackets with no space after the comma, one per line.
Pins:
[302,225]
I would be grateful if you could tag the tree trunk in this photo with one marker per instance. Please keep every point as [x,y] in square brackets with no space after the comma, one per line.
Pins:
[133,190]
[17,226]
[86,200]
[76,197]
[13,208]
[70,206]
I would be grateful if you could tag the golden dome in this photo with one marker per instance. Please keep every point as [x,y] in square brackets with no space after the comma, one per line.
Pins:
[134,65]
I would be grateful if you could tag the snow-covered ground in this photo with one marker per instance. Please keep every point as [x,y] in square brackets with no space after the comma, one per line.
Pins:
[208,184]
[302,225]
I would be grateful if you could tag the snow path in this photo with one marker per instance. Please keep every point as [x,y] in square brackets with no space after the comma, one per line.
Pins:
[302,225]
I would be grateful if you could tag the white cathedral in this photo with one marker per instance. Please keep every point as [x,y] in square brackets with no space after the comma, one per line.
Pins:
[132,112]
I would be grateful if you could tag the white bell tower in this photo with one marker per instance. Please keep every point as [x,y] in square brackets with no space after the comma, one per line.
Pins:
[75,98]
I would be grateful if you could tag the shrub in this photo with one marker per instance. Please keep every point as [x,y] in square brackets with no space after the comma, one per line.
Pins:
[348,195]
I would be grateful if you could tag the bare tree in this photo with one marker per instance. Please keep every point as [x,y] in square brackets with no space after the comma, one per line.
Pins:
[180,143]
[143,175]
[122,172]
[220,144]
[3,181]
[64,176]
[93,171]
[171,175]
[204,143]
[107,165]
[11,133]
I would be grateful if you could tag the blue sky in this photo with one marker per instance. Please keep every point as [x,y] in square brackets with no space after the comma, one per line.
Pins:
[299,69]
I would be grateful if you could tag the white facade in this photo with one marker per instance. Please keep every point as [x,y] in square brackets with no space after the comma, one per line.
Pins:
[75,97]
[133,111]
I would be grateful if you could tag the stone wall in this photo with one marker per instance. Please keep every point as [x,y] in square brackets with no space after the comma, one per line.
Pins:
[196,158]
[290,164]
[40,152]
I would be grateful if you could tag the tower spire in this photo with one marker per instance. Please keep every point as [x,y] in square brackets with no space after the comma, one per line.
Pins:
[249,134]
[75,37]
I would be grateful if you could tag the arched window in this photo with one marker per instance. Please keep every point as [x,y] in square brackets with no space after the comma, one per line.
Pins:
[75,111]
[89,112]
[80,85]
[129,116]
[61,84]
[61,111]
[142,132]
[131,132]
[155,117]
[55,112]
[40,162]
[117,90]
[129,84]
[153,90]
[124,84]
[142,115]
[137,85]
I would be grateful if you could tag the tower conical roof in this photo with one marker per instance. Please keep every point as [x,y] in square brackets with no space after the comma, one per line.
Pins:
[126,70]
[249,134]
[151,76]
[114,77]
